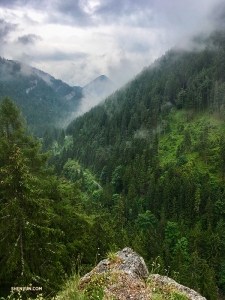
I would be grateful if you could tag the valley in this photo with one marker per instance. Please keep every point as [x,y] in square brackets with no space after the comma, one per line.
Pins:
[144,169]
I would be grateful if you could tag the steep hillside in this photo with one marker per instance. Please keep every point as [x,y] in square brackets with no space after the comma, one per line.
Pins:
[43,100]
[189,80]
[73,94]
[47,102]
[157,148]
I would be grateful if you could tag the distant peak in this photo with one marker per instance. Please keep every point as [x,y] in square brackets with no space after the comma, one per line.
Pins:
[100,87]
[103,77]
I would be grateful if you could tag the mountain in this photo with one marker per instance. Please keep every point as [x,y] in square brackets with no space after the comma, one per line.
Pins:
[145,169]
[61,88]
[100,87]
[46,101]
[43,100]
[157,148]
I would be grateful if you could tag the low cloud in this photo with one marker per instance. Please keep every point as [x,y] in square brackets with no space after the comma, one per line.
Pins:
[218,15]
[59,56]
[6,28]
[69,12]
[77,41]
[28,39]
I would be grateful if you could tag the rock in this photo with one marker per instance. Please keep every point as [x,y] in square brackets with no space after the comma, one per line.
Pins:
[133,264]
[125,276]
[166,281]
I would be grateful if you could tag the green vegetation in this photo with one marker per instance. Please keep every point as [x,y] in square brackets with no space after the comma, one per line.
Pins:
[70,290]
[47,223]
[144,169]
[42,99]
[157,149]
[167,293]
[112,257]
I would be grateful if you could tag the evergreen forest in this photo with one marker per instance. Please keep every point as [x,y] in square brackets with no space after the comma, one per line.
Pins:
[43,100]
[144,169]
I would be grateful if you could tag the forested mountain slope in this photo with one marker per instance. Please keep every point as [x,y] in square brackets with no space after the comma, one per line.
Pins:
[157,147]
[157,150]
[140,112]
[43,100]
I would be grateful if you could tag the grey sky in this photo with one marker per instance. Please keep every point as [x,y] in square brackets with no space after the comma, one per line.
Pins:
[28,39]
[78,40]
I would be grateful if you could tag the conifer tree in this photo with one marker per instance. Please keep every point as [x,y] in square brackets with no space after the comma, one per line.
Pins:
[28,248]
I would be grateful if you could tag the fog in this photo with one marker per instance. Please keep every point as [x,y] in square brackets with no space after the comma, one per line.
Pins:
[77,41]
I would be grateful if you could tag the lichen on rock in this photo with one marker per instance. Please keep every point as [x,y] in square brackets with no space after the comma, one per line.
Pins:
[126,277]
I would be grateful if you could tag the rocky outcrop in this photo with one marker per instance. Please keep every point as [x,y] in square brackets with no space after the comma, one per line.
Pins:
[162,281]
[124,275]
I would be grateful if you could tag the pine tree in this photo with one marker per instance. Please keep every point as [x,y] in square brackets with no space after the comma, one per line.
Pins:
[28,248]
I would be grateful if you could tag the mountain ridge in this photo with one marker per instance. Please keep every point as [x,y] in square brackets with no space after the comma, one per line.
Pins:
[36,94]
[44,101]
[157,148]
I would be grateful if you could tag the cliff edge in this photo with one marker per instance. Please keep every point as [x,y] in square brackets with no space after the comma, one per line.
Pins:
[124,275]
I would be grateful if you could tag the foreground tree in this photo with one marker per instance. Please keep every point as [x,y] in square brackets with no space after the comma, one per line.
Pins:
[29,250]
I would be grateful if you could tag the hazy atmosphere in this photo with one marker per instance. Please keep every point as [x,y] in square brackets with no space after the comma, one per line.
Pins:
[77,41]
[112,147]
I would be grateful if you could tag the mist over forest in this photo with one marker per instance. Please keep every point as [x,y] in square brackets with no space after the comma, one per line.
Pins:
[90,165]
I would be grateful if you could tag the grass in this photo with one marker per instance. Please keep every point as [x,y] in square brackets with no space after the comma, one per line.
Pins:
[94,290]
[112,257]
[165,292]
[70,290]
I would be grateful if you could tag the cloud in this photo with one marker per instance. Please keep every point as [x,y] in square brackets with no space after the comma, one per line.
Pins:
[6,28]
[73,12]
[136,13]
[8,3]
[218,15]
[42,59]
[59,56]
[141,13]
[78,40]
[68,12]
[118,8]
[89,13]
[28,39]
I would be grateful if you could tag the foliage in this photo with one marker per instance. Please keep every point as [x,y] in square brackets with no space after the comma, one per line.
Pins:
[165,291]
[29,243]
[70,290]
[43,100]
[157,148]
[95,288]
[144,169]
[44,227]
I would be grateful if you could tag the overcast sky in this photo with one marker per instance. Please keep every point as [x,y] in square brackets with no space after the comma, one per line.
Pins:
[78,40]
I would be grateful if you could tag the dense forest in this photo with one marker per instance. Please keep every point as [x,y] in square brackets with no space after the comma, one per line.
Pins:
[44,100]
[45,228]
[144,169]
